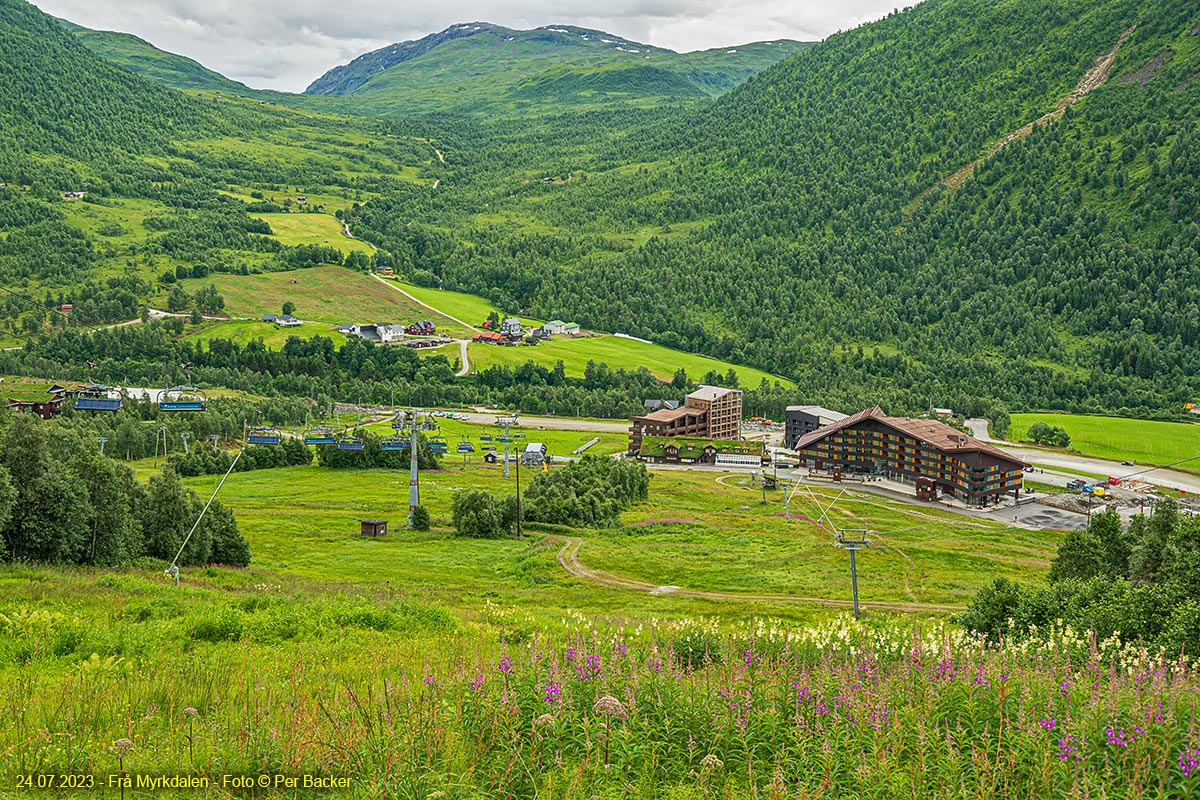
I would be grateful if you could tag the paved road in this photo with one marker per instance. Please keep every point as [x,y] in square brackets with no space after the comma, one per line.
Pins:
[551,423]
[1096,466]
[465,361]
[568,559]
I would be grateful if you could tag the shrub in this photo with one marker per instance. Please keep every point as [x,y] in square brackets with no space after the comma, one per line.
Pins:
[420,519]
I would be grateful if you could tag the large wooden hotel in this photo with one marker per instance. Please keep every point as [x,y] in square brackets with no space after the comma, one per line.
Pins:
[933,456]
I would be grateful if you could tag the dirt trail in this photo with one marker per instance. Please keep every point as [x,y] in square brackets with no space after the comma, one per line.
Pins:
[1092,79]
[568,559]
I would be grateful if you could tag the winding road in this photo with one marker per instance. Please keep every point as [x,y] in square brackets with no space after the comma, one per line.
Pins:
[568,559]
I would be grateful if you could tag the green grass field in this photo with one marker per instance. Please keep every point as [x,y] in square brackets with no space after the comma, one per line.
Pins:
[320,229]
[733,543]
[467,307]
[245,331]
[322,294]
[1119,438]
[558,443]
[627,353]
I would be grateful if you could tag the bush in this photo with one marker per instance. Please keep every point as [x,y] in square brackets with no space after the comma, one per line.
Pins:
[476,515]
[420,519]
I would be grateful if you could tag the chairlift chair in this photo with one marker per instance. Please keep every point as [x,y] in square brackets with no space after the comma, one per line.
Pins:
[466,447]
[350,443]
[95,397]
[485,437]
[319,435]
[182,398]
[394,443]
[264,435]
[437,444]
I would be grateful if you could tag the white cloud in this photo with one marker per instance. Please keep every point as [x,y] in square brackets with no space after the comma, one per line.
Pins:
[286,45]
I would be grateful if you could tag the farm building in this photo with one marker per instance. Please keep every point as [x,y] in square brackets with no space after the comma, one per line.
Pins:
[801,420]
[489,337]
[512,328]
[288,321]
[348,328]
[559,328]
[710,412]
[268,317]
[931,455]
[386,272]
[389,333]
[695,450]
[423,328]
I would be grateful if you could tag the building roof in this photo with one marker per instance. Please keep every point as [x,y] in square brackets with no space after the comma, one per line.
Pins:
[820,411]
[932,432]
[671,414]
[710,392]
[693,447]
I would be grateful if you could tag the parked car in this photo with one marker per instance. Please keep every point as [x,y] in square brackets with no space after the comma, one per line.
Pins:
[1126,463]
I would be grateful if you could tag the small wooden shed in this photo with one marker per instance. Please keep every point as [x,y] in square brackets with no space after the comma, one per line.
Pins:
[374,527]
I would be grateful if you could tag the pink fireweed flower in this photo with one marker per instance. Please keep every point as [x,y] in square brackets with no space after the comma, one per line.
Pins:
[505,665]
[1068,750]
[476,683]
[879,719]
[945,670]
[981,678]
[430,680]
[1189,762]
[1047,724]
[1117,737]
[552,692]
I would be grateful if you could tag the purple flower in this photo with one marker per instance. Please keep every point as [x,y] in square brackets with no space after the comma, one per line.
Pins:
[593,663]
[750,659]
[981,678]
[552,693]
[477,683]
[1116,737]
[505,665]
[802,692]
[1189,762]
[945,670]
[822,708]
[1068,750]
[1047,724]
[570,655]
[1064,688]
[879,719]
[430,680]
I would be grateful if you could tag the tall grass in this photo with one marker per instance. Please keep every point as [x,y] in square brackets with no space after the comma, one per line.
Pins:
[410,702]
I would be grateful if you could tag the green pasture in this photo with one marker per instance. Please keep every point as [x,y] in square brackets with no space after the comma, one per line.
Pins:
[469,308]
[245,331]
[1120,438]
[326,294]
[558,443]
[616,352]
[20,387]
[728,541]
[101,220]
[319,229]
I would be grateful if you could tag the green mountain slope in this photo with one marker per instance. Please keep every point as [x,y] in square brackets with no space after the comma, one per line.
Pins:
[137,55]
[479,66]
[791,223]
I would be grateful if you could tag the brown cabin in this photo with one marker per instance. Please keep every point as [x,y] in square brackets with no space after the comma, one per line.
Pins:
[374,527]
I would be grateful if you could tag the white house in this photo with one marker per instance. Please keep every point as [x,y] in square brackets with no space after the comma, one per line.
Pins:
[288,321]
[511,327]
[390,333]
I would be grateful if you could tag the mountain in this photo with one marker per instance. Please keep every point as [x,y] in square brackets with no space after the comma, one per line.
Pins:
[480,66]
[967,199]
[137,55]
[56,98]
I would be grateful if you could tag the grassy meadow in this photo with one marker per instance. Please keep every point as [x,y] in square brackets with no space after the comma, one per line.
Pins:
[319,229]
[1120,438]
[627,353]
[326,294]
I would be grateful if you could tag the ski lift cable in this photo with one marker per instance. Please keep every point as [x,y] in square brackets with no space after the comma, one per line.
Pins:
[202,513]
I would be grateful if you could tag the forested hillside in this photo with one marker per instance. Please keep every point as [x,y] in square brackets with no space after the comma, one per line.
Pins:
[143,58]
[476,67]
[790,226]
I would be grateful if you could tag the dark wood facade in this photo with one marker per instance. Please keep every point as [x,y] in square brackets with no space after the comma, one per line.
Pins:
[930,455]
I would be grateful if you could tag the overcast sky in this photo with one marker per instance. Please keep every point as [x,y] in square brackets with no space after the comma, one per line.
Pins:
[287,44]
